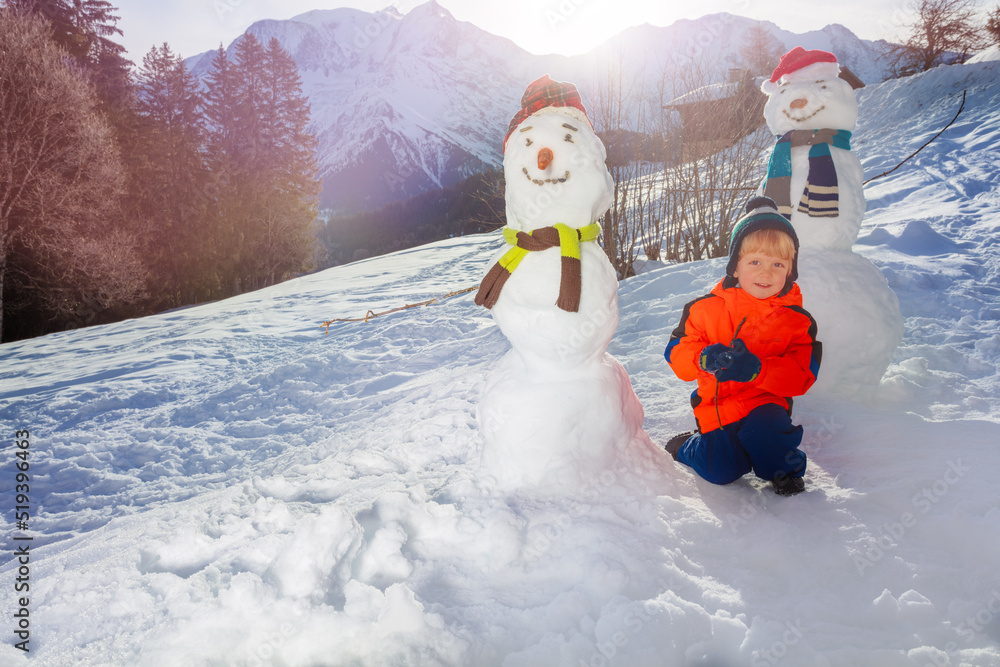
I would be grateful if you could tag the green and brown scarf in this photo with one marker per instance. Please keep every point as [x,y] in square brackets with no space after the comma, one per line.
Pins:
[565,237]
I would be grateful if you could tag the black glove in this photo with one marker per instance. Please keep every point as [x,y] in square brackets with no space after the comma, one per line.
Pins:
[738,363]
[709,358]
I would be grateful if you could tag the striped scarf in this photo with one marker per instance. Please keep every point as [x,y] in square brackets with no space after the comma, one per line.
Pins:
[565,237]
[819,198]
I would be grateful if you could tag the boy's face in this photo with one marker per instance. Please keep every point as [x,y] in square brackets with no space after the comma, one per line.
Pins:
[762,276]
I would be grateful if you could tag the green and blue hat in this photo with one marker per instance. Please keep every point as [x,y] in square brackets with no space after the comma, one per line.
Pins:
[762,213]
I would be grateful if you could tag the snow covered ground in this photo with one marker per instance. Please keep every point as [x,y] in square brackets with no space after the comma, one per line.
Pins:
[225,485]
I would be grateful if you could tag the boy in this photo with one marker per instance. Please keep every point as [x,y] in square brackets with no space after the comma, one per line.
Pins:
[751,346]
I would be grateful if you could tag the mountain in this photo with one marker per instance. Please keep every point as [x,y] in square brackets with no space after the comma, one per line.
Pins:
[226,485]
[405,103]
[400,104]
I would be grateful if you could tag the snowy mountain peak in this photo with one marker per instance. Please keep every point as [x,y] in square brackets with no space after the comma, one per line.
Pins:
[331,18]
[430,8]
[838,29]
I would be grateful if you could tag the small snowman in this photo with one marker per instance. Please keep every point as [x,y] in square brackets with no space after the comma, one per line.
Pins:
[558,407]
[816,181]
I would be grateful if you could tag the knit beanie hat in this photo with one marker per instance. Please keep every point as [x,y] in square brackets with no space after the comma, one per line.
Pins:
[544,93]
[761,213]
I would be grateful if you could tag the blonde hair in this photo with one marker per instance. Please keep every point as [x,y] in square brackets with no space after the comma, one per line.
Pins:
[773,242]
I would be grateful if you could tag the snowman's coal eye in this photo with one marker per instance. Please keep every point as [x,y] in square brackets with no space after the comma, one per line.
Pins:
[569,138]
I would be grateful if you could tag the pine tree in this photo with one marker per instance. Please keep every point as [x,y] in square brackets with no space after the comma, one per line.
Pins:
[258,139]
[96,24]
[250,102]
[223,156]
[221,100]
[105,60]
[168,94]
[171,203]
[285,116]
[289,240]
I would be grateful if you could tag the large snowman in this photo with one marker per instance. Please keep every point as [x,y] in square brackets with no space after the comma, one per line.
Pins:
[558,408]
[816,181]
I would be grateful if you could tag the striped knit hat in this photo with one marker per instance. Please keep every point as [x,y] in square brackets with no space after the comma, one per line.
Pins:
[762,213]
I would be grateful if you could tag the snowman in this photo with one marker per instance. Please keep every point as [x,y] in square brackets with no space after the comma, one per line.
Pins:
[816,181]
[558,408]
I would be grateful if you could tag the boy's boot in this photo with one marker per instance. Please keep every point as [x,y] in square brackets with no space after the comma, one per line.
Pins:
[674,444]
[788,486]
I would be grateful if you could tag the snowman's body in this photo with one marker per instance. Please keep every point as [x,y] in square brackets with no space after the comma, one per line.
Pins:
[857,314]
[558,406]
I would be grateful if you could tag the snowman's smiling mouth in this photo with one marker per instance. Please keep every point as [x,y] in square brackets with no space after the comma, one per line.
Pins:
[804,118]
[539,181]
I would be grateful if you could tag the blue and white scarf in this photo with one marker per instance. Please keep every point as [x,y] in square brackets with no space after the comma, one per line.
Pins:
[819,198]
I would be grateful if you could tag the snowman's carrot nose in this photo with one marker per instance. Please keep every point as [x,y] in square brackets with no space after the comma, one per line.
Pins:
[799,103]
[545,158]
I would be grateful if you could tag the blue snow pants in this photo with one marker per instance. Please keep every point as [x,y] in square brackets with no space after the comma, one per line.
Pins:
[765,441]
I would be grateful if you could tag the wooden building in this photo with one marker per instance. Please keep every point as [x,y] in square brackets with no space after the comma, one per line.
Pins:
[718,115]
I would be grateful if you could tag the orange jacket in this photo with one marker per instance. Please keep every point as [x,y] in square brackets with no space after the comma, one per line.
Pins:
[778,330]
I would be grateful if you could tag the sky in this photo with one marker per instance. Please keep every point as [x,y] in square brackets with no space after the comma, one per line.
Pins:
[569,27]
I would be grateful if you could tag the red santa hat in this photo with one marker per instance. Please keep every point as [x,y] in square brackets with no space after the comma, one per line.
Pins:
[798,59]
[544,94]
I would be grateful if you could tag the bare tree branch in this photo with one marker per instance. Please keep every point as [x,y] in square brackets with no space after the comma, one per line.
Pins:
[943,32]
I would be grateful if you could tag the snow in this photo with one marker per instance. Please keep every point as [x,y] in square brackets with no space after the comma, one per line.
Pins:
[225,485]
[987,54]
[709,93]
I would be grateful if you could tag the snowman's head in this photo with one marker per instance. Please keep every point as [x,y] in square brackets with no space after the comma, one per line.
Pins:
[553,162]
[805,92]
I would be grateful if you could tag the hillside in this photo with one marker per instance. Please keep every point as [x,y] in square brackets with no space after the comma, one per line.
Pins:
[225,485]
